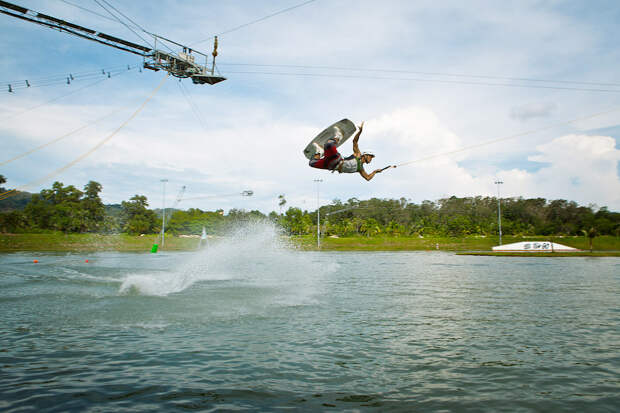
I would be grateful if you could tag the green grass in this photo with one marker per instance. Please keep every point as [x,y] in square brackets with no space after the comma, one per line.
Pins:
[91,242]
[473,243]
[123,242]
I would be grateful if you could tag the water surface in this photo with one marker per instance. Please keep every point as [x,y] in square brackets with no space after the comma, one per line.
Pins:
[252,324]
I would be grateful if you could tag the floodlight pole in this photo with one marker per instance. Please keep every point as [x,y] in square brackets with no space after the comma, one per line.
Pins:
[163,215]
[318,215]
[499,213]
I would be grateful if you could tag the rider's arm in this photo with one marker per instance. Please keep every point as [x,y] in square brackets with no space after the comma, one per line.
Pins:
[369,176]
[356,138]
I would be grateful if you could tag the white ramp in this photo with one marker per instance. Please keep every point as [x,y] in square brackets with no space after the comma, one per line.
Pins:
[534,246]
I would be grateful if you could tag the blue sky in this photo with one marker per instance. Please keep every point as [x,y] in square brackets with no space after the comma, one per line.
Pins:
[251,129]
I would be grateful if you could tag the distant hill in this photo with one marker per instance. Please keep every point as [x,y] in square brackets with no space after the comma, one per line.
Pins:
[19,202]
[15,202]
[113,210]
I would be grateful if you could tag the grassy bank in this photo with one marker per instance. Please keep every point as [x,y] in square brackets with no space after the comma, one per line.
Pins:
[123,242]
[91,242]
[603,243]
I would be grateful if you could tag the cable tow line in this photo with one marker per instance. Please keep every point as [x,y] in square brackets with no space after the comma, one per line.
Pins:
[12,192]
[74,131]
[505,138]
[254,21]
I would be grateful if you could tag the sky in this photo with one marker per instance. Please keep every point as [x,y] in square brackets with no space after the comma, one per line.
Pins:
[428,78]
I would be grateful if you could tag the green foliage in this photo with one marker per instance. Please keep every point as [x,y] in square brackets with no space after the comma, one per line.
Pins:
[136,218]
[452,217]
[13,222]
[93,207]
[281,202]
[66,209]
[296,222]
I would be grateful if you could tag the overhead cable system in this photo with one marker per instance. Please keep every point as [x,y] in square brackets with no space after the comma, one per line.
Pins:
[247,192]
[69,78]
[181,65]
[58,171]
[331,73]
[505,138]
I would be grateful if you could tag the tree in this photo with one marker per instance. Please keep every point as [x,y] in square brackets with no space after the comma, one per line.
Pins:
[93,207]
[67,214]
[370,227]
[59,209]
[38,212]
[591,233]
[281,203]
[136,218]
[13,221]
[296,222]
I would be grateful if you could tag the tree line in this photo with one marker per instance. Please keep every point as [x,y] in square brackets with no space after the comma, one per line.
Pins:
[69,209]
[454,217]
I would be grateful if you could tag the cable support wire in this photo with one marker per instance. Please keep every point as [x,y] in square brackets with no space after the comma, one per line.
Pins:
[505,138]
[213,196]
[194,108]
[474,76]
[58,171]
[74,91]
[89,10]
[116,20]
[154,36]
[122,14]
[76,30]
[122,22]
[241,26]
[412,79]
[68,78]
[66,135]
[63,76]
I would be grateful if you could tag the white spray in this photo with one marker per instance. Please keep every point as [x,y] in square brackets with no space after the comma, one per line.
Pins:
[254,253]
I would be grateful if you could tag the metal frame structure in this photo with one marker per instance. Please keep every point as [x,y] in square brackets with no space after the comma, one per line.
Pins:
[180,65]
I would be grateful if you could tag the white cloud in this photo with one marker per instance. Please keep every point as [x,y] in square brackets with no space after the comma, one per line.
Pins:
[577,167]
[255,126]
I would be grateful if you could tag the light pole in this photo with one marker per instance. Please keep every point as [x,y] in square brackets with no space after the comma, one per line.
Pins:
[499,211]
[163,215]
[318,215]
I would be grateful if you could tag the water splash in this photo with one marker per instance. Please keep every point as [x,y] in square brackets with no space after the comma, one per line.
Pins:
[255,253]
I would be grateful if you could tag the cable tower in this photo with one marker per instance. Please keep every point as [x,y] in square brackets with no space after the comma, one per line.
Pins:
[181,65]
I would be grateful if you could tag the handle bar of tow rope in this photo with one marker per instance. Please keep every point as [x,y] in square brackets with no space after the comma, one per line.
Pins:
[387,167]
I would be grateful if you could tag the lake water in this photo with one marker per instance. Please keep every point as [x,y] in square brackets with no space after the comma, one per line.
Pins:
[252,324]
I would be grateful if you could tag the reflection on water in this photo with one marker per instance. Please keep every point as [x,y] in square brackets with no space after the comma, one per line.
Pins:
[253,324]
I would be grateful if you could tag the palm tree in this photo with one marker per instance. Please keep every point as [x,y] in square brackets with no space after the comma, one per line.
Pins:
[591,233]
[281,203]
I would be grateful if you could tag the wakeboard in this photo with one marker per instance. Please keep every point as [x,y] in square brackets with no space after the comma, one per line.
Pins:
[344,128]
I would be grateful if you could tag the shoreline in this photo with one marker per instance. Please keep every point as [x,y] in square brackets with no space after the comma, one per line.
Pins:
[543,254]
[475,245]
